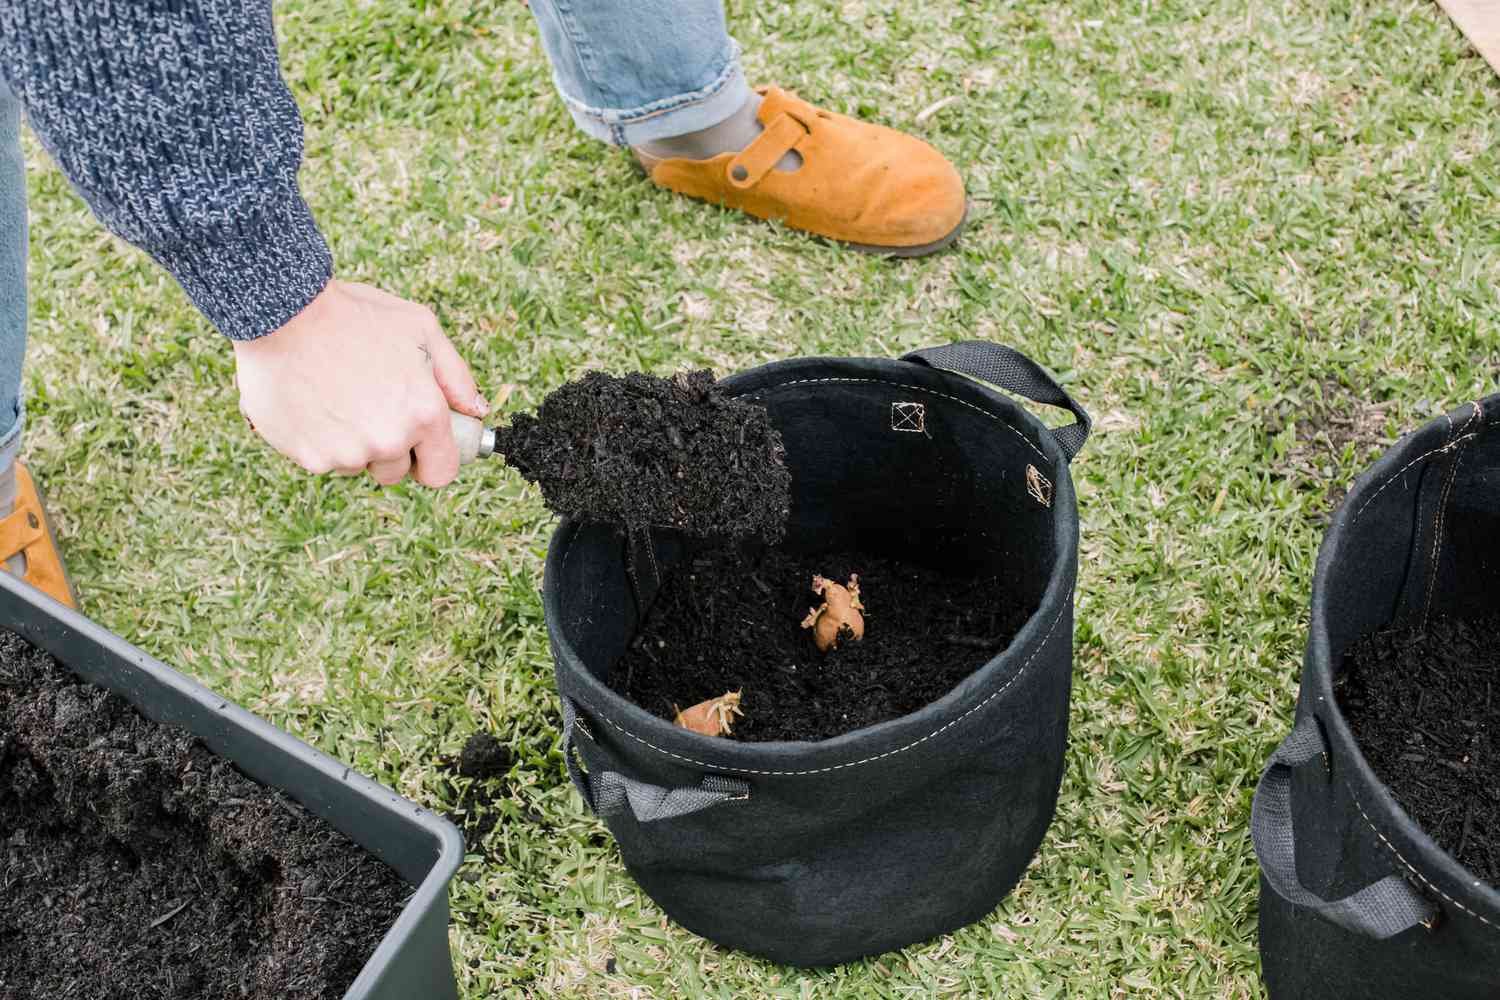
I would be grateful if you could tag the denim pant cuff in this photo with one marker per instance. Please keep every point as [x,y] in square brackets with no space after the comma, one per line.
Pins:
[672,116]
[10,440]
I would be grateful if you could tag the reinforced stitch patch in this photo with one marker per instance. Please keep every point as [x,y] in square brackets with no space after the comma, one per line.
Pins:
[909,417]
[1039,486]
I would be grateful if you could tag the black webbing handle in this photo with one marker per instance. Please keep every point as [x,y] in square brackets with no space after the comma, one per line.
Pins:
[609,793]
[1380,910]
[1013,371]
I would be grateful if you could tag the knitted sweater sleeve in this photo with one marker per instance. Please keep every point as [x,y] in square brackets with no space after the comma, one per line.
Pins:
[172,120]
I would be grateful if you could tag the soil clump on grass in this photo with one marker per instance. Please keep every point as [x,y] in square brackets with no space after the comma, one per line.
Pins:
[136,863]
[730,619]
[484,756]
[648,452]
[1424,705]
[486,762]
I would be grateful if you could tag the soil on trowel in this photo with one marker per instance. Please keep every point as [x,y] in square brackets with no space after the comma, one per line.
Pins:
[730,619]
[136,863]
[1424,704]
[648,452]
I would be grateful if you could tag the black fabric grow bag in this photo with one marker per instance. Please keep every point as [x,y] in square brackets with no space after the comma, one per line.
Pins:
[818,853]
[1356,901]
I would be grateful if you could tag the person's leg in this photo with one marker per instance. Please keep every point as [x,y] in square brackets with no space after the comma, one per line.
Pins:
[633,73]
[12,292]
[27,548]
[663,78]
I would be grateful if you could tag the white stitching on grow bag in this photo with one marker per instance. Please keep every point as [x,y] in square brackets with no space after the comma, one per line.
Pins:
[1409,866]
[1402,471]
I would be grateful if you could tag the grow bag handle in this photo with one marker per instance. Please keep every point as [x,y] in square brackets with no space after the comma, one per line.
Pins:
[1380,910]
[1013,371]
[609,793]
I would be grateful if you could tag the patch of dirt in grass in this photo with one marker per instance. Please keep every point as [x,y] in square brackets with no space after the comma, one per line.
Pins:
[1326,428]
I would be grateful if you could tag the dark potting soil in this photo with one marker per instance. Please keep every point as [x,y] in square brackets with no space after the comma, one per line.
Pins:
[650,452]
[730,619]
[1424,705]
[135,863]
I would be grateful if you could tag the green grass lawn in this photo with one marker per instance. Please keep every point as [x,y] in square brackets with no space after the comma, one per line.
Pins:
[1256,240]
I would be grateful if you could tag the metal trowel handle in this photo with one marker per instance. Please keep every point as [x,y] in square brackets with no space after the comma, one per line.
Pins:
[474,440]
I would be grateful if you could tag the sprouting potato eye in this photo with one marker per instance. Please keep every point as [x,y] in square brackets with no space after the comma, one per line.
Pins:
[839,615]
[711,717]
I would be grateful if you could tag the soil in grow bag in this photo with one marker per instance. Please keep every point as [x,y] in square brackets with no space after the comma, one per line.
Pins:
[134,862]
[1424,705]
[650,452]
[730,619]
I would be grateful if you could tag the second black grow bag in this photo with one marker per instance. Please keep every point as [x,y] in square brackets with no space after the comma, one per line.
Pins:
[814,853]
[1356,901]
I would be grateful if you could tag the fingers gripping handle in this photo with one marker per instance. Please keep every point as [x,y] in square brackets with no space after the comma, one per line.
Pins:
[609,793]
[1013,371]
[1380,910]
[474,440]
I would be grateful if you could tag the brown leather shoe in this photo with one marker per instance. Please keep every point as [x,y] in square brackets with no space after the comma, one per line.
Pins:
[874,188]
[26,531]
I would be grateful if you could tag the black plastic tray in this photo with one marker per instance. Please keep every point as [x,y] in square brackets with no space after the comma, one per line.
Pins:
[413,961]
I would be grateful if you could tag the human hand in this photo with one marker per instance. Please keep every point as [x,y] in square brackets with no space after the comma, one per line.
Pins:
[359,380]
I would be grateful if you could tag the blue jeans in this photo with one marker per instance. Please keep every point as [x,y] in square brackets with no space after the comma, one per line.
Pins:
[12,275]
[633,71]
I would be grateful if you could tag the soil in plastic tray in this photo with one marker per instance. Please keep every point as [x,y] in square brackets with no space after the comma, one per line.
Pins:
[1424,704]
[646,452]
[730,619]
[136,863]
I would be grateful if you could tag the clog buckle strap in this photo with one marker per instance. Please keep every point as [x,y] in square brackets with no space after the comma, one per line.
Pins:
[19,531]
[783,134]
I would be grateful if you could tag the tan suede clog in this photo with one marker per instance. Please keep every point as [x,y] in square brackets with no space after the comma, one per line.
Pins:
[871,187]
[26,531]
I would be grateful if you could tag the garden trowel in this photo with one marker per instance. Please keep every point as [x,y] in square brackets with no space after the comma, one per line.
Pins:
[646,452]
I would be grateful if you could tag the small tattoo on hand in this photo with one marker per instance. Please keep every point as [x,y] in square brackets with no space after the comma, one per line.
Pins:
[425,352]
